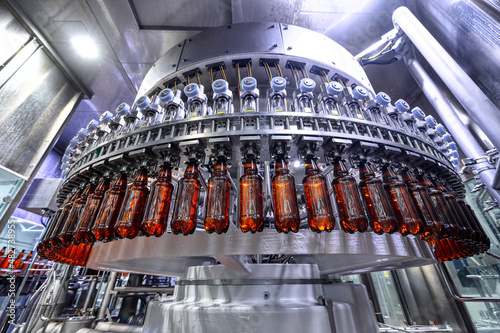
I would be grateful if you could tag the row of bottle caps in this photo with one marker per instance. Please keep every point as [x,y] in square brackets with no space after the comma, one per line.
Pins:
[336,99]
[409,206]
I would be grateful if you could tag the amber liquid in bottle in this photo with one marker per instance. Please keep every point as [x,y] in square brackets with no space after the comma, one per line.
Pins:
[55,241]
[158,207]
[251,199]
[348,199]
[286,209]
[186,207]
[134,205]
[217,204]
[477,235]
[43,245]
[467,232]
[450,229]
[457,227]
[319,207]
[18,261]
[110,209]
[433,227]
[83,233]
[402,203]
[379,210]
[76,212]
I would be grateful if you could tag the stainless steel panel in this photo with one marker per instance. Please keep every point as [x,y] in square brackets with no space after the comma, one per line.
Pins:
[34,102]
[244,39]
[203,14]
[41,195]
[13,35]
[283,11]
[300,42]
[335,252]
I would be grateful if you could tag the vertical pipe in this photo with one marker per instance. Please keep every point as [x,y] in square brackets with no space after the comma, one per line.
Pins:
[107,295]
[460,132]
[475,102]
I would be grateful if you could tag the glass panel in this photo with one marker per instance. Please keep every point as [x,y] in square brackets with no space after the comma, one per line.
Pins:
[479,276]
[388,298]
[10,184]
[26,235]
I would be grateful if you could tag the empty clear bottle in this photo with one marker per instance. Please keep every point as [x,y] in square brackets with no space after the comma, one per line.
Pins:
[286,209]
[134,205]
[402,203]
[185,215]
[378,206]
[158,207]
[217,204]
[350,206]
[251,199]
[319,207]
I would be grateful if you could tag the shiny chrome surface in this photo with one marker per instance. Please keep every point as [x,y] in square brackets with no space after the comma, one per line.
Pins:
[13,36]
[335,252]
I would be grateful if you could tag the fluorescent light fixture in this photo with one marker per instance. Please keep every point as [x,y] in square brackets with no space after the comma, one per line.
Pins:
[85,46]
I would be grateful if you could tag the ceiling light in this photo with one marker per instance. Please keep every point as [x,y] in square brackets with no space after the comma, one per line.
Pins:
[85,46]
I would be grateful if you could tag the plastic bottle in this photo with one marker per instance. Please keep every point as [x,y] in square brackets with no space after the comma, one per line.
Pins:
[408,219]
[134,205]
[251,199]
[185,214]
[55,241]
[286,210]
[379,210]
[217,204]
[104,226]
[433,227]
[158,207]
[83,233]
[319,208]
[349,202]
[66,235]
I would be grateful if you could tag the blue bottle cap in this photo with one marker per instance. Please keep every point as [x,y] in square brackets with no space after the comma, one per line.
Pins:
[307,85]
[220,86]
[248,84]
[452,146]
[166,95]
[192,90]
[106,117]
[143,102]
[92,125]
[360,93]
[447,137]
[122,109]
[431,121]
[440,128]
[81,133]
[382,98]
[334,88]
[454,161]
[454,153]
[73,142]
[278,83]
[418,113]
[402,106]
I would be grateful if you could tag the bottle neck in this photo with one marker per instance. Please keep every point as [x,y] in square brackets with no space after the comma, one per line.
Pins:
[220,168]
[311,166]
[281,166]
[191,170]
[339,168]
[365,171]
[250,167]
[388,174]
[408,177]
[142,176]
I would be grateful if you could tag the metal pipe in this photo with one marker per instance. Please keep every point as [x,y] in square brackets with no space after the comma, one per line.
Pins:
[107,295]
[460,298]
[92,285]
[496,256]
[473,99]
[449,115]
[66,275]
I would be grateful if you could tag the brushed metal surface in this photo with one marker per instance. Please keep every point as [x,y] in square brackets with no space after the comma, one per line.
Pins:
[13,35]
[335,252]
[34,102]
[41,195]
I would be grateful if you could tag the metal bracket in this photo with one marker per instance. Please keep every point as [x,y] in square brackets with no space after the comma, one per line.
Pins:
[328,303]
